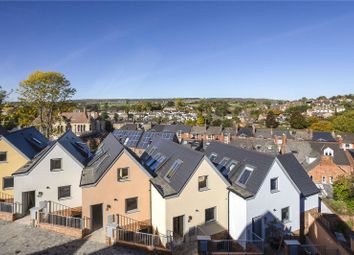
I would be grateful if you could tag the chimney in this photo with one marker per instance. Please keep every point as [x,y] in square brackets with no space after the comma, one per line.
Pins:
[340,142]
[283,143]
[253,129]
[333,134]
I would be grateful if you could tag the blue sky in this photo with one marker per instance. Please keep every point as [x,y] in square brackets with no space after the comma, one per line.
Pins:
[182,49]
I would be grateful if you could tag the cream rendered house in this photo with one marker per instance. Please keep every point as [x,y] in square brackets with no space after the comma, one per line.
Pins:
[16,149]
[188,194]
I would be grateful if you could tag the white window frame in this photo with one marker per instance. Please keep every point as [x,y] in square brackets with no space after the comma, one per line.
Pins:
[206,183]
[119,173]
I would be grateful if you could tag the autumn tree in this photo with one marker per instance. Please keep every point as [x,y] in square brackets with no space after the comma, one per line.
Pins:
[344,122]
[48,94]
[200,120]
[322,125]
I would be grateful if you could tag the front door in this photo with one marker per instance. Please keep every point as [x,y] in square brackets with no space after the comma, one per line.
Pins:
[178,223]
[97,216]
[28,200]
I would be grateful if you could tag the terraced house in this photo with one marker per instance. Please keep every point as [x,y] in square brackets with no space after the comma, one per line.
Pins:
[263,188]
[16,149]
[114,183]
[188,195]
[53,175]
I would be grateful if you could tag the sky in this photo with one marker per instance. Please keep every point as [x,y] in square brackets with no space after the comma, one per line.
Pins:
[156,49]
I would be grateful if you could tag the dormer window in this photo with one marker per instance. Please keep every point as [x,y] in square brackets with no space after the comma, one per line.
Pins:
[328,152]
[223,163]
[230,167]
[245,175]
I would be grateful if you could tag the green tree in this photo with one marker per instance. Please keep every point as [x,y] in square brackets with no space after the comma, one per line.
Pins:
[104,115]
[271,121]
[343,188]
[179,104]
[200,120]
[344,122]
[208,118]
[322,125]
[3,95]
[217,122]
[49,94]
[297,120]
[227,123]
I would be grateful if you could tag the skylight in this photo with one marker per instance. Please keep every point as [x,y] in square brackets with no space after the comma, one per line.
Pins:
[245,175]
[173,169]
[36,140]
[213,156]
[157,163]
[230,167]
[223,163]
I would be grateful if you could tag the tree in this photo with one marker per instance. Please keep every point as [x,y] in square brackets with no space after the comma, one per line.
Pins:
[200,120]
[344,122]
[227,123]
[322,125]
[179,104]
[104,115]
[3,95]
[298,121]
[48,93]
[343,189]
[271,121]
[217,122]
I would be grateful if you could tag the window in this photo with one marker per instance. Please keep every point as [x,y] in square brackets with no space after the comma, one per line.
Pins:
[324,179]
[55,164]
[8,182]
[274,185]
[202,183]
[3,156]
[64,192]
[210,214]
[229,168]
[213,156]
[153,159]
[331,179]
[173,169]
[123,174]
[131,204]
[157,163]
[285,216]
[223,163]
[245,176]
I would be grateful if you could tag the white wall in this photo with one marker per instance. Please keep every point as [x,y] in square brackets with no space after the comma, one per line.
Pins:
[238,216]
[158,211]
[269,203]
[311,202]
[41,179]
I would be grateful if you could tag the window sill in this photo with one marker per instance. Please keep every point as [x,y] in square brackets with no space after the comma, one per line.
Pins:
[203,189]
[56,170]
[286,221]
[132,211]
[9,188]
[64,198]
[274,191]
[210,221]
[123,180]
[4,162]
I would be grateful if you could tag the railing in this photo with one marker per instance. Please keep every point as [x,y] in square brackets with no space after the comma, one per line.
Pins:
[65,221]
[6,198]
[10,207]
[62,210]
[131,224]
[145,239]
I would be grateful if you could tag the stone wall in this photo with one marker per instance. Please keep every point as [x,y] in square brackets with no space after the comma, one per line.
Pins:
[74,232]
[7,216]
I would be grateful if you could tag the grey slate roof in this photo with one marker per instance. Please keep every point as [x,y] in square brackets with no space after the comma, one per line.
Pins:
[260,162]
[70,142]
[268,133]
[172,128]
[129,126]
[298,174]
[214,130]
[172,151]
[245,132]
[230,130]
[105,156]
[198,130]
[322,137]
[348,138]
[256,144]
[27,140]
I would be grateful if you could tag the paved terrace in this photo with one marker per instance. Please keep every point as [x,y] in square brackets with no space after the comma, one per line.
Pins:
[19,238]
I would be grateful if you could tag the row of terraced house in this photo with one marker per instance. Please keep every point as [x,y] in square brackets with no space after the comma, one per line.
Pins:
[165,196]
